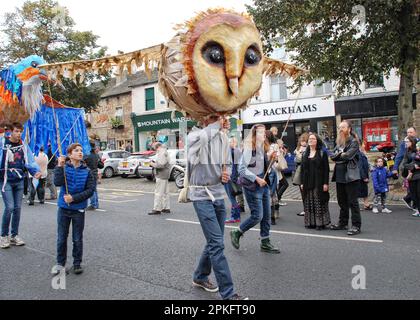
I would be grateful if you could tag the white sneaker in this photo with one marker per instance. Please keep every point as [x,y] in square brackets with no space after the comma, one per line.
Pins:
[417,214]
[281,203]
[375,210]
[386,210]
[4,242]
[16,241]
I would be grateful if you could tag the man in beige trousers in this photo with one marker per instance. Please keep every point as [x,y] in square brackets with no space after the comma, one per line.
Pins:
[162,172]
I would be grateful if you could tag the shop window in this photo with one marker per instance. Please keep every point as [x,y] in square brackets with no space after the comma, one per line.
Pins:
[278,88]
[322,88]
[325,129]
[379,130]
[150,99]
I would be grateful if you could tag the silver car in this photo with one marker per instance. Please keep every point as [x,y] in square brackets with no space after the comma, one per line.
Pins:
[111,159]
[176,157]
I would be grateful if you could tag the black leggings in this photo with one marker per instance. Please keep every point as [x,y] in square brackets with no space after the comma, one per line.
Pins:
[414,187]
[281,187]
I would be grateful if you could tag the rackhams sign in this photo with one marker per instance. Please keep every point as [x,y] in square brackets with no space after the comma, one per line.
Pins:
[280,111]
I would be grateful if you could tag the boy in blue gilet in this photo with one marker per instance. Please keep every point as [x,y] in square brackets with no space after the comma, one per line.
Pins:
[72,203]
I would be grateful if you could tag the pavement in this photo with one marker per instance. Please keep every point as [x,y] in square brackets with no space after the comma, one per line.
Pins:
[130,255]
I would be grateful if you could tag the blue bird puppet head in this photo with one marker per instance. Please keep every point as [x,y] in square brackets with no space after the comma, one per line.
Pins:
[21,89]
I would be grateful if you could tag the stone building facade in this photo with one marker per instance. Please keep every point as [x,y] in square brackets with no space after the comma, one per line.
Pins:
[110,125]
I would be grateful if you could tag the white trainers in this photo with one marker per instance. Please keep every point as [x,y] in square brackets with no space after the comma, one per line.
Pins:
[416,214]
[282,204]
[16,241]
[4,242]
[375,210]
[386,210]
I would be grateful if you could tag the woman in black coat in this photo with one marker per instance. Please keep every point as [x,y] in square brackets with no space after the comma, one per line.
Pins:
[315,171]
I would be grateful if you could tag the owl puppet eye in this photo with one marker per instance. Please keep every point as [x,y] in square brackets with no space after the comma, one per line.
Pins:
[213,53]
[252,56]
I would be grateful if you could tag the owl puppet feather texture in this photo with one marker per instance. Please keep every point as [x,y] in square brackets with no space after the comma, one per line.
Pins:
[212,66]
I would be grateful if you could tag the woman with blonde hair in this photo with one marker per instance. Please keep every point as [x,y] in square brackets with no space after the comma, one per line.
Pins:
[253,169]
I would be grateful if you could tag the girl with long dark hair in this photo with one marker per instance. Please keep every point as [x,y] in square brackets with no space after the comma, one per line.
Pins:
[315,180]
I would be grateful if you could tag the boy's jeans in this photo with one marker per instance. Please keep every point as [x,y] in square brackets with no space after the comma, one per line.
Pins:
[12,198]
[379,197]
[212,219]
[64,219]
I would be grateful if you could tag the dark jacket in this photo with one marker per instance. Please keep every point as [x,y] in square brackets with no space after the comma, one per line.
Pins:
[92,162]
[52,160]
[399,159]
[348,155]
[236,157]
[380,179]
[363,166]
[315,173]
[80,183]
[409,163]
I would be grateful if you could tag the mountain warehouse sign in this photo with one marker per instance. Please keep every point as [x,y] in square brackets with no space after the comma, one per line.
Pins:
[159,121]
[280,111]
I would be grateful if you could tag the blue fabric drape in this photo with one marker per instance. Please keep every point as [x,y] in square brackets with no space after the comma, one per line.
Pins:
[42,129]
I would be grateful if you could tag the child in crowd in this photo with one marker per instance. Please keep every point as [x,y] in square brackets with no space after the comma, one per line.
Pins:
[77,186]
[380,177]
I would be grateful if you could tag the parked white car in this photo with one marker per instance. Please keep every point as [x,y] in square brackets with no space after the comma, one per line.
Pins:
[130,166]
[176,158]
[111,159]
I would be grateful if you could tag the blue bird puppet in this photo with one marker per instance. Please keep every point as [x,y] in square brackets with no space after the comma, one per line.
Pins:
[21,90]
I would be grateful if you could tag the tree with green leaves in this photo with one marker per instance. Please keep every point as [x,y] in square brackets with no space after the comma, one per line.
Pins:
[44,28]
[348,42]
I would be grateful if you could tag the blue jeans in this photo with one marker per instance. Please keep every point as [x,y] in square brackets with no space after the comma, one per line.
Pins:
[64,219]
[259,203]
[273,181]
[212,219]
[94,200]
[12,198]
[229,192]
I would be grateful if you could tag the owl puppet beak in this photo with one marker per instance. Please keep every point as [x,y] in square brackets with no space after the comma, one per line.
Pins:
[234,86]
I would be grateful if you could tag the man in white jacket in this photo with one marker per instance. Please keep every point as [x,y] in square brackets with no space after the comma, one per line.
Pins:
[162,172]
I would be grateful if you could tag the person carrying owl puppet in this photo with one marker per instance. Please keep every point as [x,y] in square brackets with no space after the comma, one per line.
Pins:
[209,166]
[209,70]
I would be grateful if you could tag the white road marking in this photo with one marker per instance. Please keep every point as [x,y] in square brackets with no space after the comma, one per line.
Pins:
[115,201]
[53,203]
[292,233]
[120,190]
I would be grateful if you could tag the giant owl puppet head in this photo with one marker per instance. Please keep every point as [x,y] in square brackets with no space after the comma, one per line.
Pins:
[213,66]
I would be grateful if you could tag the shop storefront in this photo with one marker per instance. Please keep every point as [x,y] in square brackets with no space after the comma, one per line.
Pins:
[160,127]
[374,117]
[309,115]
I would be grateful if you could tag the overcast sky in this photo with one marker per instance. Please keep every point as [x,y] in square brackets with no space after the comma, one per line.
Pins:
[130,25]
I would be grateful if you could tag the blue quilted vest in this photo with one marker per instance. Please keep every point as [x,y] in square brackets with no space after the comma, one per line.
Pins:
[76,182]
